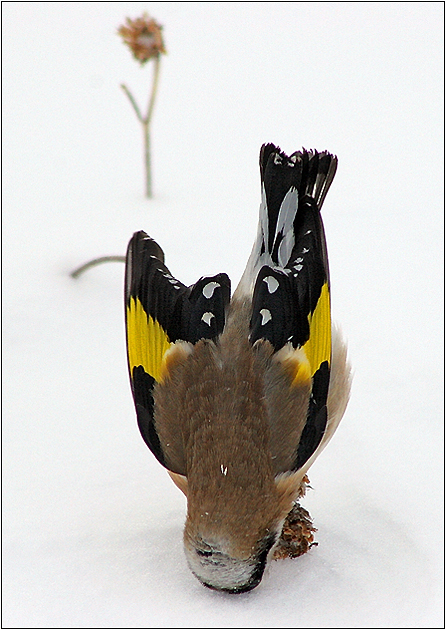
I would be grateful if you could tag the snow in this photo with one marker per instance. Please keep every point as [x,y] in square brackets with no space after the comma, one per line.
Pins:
[92,523]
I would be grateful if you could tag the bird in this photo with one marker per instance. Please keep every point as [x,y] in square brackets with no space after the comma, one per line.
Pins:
[236,396]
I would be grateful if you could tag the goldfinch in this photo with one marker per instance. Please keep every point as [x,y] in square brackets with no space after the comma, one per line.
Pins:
[237,397]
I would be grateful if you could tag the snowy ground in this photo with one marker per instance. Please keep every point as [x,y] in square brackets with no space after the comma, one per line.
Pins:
[92,524]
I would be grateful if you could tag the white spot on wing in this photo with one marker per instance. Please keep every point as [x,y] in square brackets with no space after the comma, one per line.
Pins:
[224,470]
[272,283]
[206,318]
[266,316]
[209,288]
[170,279]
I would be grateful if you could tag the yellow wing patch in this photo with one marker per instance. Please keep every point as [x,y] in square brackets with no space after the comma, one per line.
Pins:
[302,363]
[318,347]
[147,341]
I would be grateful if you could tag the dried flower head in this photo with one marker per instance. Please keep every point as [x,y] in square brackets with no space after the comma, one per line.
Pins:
[143,37]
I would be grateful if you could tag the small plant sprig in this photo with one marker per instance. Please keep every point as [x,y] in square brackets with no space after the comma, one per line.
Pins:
[144,38]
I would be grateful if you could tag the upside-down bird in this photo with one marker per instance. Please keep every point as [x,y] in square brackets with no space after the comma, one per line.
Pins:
[237,397]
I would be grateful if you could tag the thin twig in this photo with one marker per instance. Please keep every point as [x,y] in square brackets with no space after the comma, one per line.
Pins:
[148,159]
[133,102]
[96,261]
[146,126]
[156,72]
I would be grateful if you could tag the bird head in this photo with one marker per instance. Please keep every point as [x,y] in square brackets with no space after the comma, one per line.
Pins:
[231,530]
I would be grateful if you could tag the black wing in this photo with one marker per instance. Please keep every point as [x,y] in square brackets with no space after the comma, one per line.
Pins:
[291,298]
[160,310]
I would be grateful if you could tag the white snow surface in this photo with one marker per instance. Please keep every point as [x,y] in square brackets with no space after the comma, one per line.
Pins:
[92,523]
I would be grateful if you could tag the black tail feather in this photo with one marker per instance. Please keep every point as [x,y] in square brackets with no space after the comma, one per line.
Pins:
[310,172]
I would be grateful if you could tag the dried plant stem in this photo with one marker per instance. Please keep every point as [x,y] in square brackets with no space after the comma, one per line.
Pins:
[148,160]
[96,261]
[132,101]
[145,122]
[156,72]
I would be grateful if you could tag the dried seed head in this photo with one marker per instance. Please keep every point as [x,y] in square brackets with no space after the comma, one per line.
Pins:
[143,37]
